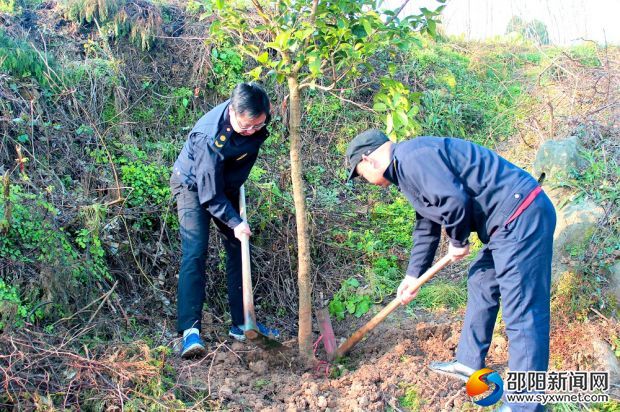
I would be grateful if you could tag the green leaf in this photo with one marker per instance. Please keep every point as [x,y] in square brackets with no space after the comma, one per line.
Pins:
[351,307]
[256,72]
[432,27]
[314,64]
[282,39]
[263,58]
[367,27]
[402,116]
[362,307]
[304,34]
[379,107]
[414,110]
[354,283]
[219,4]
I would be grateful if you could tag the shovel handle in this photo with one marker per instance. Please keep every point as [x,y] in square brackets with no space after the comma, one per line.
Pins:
[379,317]
[246,271]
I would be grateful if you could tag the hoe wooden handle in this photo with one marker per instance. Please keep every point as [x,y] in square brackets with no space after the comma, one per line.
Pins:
[379,317]
[248,298]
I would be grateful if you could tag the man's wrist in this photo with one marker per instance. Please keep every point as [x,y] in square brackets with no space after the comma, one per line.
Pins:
[234,222]
[459,243]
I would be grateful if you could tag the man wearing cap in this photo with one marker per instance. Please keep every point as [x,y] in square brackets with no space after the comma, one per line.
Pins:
[214,162]
[463,187]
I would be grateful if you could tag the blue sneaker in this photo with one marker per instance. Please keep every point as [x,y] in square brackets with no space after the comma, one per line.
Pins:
[236,332]
[193,346]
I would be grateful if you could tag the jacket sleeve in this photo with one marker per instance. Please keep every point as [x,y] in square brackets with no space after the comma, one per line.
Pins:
[426,235]
[446,194]
[210,181]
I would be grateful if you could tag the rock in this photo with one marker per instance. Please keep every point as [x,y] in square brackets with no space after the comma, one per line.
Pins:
[230,383]
[225,392]
[258,367]
[321,402]
[558,155]
[237,346]
[244,379]
[220,357]
[313,389]
[500,344]
[607,359]
[575,223]
[362,402]
[356,388]
[614,280]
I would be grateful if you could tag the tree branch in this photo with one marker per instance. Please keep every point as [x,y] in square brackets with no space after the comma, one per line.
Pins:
[361,106]
[397,12]
[313,84]
[261,13]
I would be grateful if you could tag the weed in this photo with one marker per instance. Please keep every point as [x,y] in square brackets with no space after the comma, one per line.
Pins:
[350,299]
[7,6]
[411,400]
[21,60]
[261,383]
[13,311]
[114,20]
[597,181]
[442,294]
[227,68]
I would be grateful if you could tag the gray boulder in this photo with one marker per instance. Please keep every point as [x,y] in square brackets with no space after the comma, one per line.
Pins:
[576,221]
[614,279]
[561,155]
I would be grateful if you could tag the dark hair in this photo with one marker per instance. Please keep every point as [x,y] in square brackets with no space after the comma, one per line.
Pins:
[250,99]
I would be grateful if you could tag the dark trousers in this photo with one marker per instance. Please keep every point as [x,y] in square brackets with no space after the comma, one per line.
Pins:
[194,223]
[516,266]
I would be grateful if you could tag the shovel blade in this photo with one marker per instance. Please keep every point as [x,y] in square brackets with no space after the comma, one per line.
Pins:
[325,327]
[265,342]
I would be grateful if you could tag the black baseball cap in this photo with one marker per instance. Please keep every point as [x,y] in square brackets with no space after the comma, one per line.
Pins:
[363,144]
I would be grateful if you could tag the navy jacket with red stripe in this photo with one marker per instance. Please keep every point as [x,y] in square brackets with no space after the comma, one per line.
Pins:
[215,161]
[456,184]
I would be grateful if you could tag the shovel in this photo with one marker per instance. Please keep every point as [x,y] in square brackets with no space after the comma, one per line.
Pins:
[251,331]
[327,332]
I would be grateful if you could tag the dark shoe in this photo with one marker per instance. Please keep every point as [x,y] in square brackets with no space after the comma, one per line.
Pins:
[453,368]
[193,346]
[236,332]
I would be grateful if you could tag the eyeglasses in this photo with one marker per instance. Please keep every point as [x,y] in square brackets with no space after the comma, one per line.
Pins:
[242,128]
[254,127]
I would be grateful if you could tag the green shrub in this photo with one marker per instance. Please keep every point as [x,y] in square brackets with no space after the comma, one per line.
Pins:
[66,260]
[147,183]
[350,299]
[7,6]
[116,20]
[411,401]
[586,53]
[19,59]
[227,68]
[466,97]
[13,311]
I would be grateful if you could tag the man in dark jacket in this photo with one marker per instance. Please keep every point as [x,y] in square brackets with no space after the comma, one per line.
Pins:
[215,161]
[463,187]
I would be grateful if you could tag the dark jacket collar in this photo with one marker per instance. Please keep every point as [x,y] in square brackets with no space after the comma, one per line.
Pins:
[391,171]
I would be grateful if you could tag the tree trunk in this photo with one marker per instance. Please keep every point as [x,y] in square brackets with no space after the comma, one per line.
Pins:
[303,242]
